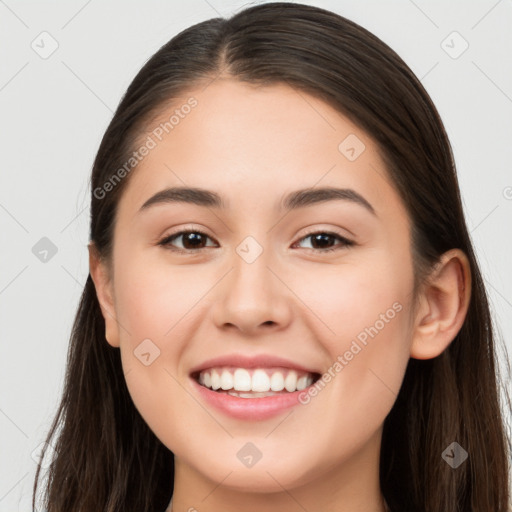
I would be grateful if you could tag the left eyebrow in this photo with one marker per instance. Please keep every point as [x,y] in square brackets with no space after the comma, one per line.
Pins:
[293,200]
[309,196]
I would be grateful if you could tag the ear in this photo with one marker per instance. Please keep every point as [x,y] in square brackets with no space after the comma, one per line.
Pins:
[103,284]
[443,304]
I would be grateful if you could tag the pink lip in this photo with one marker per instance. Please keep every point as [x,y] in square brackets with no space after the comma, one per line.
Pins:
[260,361]
[255,409]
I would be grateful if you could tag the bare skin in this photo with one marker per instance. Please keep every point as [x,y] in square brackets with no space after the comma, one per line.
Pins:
[252,146]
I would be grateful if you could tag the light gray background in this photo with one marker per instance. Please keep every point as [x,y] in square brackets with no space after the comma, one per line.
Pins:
[54,111]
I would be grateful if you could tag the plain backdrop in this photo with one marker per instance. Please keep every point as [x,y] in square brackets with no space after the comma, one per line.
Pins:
[63,69]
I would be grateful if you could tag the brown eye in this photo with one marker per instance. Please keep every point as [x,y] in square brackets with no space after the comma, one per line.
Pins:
[190,240]
[324,241]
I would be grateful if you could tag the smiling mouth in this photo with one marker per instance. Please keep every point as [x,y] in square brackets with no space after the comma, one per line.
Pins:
[254,382]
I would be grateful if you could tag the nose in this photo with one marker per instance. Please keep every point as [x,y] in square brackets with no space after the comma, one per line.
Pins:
[253,297]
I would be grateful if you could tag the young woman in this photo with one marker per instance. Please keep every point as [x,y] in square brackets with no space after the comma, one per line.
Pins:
[284,310]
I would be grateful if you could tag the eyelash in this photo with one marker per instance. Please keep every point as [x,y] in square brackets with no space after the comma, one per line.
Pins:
[165,242]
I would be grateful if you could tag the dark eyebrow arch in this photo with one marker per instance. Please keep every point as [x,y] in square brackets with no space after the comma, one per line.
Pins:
[309,196]
[293,200]
[191,195]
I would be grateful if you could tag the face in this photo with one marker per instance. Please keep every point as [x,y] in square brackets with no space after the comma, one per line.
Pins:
[260,291]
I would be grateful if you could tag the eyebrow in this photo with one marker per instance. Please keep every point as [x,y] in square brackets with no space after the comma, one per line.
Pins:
[293,200]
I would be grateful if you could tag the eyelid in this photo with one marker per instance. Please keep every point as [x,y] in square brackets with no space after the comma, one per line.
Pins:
[187,228]
[327,231]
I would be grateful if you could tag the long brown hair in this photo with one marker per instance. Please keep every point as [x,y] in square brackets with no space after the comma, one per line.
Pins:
[107,458]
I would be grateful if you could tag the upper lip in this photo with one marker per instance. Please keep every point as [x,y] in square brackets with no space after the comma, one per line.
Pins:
[258,361]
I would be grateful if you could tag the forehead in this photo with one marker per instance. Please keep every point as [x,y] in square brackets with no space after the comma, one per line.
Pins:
[254,144]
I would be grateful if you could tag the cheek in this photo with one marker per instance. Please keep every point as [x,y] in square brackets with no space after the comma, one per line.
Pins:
[348,299]
[153,299]
[161,401]
[365,333]
[365,324]
[152,307]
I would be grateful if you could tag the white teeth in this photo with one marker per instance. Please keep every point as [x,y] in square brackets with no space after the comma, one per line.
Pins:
[251,395]
[215,380]
[242,380]
[226,380]
[290,383]
[277,382]
[257,382]
[260,381]
[302,382]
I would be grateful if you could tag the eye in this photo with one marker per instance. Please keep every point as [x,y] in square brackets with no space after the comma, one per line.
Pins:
[192,241]
[324,239]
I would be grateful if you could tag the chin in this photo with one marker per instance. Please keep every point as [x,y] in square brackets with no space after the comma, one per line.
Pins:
[261,478]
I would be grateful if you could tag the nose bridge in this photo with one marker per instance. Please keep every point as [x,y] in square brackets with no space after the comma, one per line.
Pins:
[250,282]
[251,294]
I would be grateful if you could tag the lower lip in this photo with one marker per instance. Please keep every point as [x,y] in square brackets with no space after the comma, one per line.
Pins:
[249,408]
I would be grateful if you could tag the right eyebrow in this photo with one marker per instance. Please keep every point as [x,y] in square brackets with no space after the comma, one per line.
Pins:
[191,195]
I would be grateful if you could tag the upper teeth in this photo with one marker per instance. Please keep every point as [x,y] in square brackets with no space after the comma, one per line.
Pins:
[259,380]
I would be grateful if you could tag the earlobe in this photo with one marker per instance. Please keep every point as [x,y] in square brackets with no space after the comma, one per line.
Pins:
[103,285]
[444,302]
